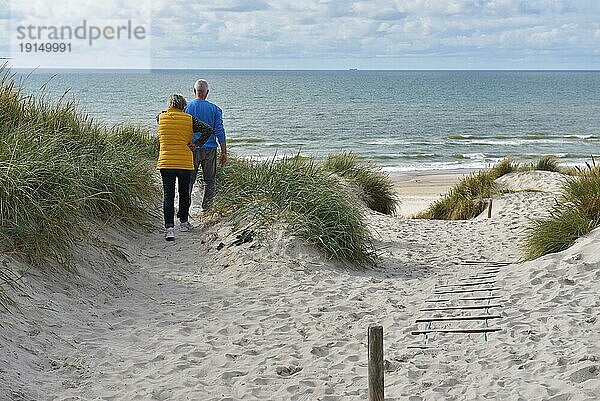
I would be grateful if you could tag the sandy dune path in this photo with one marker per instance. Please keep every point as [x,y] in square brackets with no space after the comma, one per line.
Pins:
[151,320]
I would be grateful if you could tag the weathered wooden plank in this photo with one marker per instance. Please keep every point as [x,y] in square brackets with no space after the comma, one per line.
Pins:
[457,318]
[484,330]
[480,298]
[465,307]
[465,299]
[480,277]
[485,262]
[463,291]
[465,284]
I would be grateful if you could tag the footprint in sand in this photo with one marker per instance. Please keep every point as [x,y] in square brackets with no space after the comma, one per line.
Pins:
[320,351]
[286,371]
[584,374]
[233,374]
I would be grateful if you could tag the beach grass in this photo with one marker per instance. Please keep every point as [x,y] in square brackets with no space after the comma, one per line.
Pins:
[296,191]
[574,215]
[59,169]
[374,186]
[133,136]
[544,163]
[547,163]
[503,167]
[467,199]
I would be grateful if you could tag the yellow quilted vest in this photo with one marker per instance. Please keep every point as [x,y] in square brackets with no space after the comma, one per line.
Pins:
[174,134]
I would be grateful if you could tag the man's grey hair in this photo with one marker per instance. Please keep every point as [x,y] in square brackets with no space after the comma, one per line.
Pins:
[177,101]
[201,87]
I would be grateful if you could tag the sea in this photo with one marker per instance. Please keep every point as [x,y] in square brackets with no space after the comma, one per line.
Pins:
[404,121]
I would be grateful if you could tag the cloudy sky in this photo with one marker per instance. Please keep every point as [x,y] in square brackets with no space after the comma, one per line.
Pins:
[340,34]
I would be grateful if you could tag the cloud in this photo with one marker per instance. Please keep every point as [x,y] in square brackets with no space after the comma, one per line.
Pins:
[322,29]
[325,32]
[241,6]
[67,17]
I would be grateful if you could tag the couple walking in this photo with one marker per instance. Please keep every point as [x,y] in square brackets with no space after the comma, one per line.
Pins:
[189,135]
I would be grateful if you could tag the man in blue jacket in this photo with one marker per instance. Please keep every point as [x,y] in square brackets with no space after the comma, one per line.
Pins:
[206,156]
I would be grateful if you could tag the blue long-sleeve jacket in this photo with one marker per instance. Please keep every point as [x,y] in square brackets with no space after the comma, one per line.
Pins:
[212,115]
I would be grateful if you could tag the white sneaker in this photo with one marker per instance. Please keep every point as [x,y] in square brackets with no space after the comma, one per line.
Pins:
[185,226]
[170,234]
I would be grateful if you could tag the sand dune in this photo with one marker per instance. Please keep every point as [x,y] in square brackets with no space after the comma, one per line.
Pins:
[273,320]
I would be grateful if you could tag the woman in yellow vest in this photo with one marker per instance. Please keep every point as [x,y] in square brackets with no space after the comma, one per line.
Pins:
[175,160]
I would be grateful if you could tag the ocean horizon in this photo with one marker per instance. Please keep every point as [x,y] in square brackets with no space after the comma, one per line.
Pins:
[404,120]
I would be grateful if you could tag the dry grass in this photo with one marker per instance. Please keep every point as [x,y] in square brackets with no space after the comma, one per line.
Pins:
[59,167]
[576,214]
[298,192]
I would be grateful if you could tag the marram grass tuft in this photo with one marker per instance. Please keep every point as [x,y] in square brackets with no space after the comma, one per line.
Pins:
[574,215]
[311,203]
[467,199]
[375,187]
[59,168]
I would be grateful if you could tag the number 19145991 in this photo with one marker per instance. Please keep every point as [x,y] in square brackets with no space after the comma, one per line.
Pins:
[45,47]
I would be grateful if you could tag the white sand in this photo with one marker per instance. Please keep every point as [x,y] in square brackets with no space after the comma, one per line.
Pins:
[417,191]
[272,320]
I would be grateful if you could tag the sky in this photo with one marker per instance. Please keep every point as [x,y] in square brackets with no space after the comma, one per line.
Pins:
[326,34]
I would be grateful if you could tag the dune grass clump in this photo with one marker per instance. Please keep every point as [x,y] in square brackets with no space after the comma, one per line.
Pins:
[544,163]
[128,135]
[466,199]
[547,163]
[503,167]
[58,169]
[576,214]
[376,188]
[311,203]
[590,169]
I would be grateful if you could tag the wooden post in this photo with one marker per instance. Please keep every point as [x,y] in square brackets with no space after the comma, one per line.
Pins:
[376,363]
[489,208]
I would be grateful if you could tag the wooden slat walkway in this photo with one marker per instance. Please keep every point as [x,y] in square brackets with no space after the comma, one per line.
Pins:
[457,318]
[451,299]
[465,299]
[471,290]
[465,307]
[469,331]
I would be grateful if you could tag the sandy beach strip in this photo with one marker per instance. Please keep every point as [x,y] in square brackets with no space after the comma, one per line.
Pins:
[417,190]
